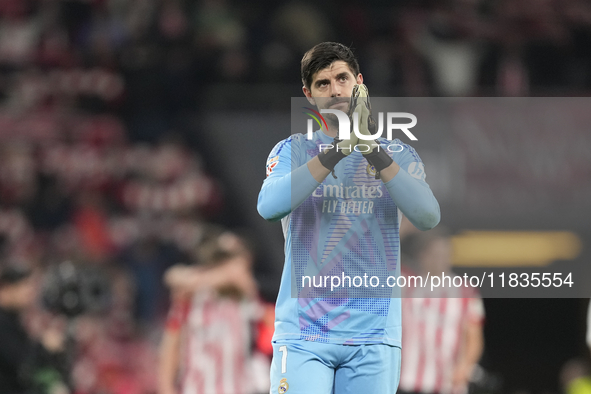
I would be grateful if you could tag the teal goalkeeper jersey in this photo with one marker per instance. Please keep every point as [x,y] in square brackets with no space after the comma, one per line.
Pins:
[343,230]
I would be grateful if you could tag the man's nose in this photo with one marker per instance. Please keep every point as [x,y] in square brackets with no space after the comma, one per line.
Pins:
[335,90]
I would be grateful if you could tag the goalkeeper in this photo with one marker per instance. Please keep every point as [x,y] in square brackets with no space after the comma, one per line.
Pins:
[346,222]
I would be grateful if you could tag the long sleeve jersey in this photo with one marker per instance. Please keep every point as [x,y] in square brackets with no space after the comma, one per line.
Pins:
[346,227]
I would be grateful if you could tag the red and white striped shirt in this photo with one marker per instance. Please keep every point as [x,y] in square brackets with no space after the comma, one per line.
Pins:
[217,344]
[432,330]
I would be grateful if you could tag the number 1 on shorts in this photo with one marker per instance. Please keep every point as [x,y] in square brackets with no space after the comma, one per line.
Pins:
[283,349]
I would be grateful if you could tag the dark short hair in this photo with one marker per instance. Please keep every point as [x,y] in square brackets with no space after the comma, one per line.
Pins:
[13,274]
[322,56]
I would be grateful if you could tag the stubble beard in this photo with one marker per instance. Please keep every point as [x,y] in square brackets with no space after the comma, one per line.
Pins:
[331,119]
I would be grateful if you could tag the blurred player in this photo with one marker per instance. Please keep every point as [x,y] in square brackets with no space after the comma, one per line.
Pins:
[575,377]
[575,374]
[588,334]
[442,337]
[25,360]
[346,344]
[211,314]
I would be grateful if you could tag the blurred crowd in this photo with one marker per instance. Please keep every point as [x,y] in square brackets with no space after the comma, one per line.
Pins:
[129,212]
[98,163]
[139,56]
[82,200]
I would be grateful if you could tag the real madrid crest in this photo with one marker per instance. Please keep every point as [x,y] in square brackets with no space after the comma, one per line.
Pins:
[283,386]
[371,170]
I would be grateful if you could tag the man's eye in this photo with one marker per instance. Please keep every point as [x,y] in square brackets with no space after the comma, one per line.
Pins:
[344,79]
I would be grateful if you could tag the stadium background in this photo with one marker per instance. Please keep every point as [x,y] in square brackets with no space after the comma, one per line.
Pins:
[126,125]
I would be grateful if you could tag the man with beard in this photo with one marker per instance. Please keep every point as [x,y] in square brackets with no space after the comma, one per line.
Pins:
[340,225]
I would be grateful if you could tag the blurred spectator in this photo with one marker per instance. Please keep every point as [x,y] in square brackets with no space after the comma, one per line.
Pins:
[575,377]
[19,32]
[215,305]
[90,222]
[220,38]
[26,364]
[293,27]
[450,43]
[588,335]
[147,260]
[112,354]
[442,330]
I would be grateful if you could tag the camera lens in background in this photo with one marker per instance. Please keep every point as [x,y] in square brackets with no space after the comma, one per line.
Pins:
[74,289]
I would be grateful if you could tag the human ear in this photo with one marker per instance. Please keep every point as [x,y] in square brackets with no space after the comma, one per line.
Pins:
[308,95]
